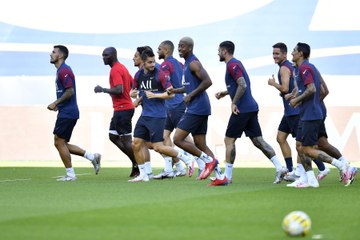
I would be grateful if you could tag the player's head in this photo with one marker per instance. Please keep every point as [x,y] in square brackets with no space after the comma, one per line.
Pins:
[165,49]
[304,49]
[148,60]
[226,48]
[59,54]
[279,52]
[301,52]
[185,47]
[109,56]
[137,55]
[281,46]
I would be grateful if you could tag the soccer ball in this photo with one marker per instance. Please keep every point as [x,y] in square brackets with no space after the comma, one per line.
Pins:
[296,223]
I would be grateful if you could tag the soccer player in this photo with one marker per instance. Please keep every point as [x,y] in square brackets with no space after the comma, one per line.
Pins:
[195,82]
[134,94]
[175,108]
[120,85]
[244,112]
[311,117]
[152,84]
[324,144]
[290,119]
[68,114]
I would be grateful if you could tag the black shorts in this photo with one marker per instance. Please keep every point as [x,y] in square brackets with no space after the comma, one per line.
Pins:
[194,124]
[322,129]
[121,122]
[150,129]
[289,124]
[173,117]
[243,122]
[64,128]
[308,132]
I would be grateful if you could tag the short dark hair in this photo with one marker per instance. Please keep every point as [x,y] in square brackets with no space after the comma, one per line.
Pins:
[304,48]
[63,50]
[229,46]
[281,46]
[147,53]
[142,49]
[170,44]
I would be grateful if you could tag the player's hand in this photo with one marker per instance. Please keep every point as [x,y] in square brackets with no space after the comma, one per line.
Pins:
[150,94]
[219,95]
[293,103]
[234,109]
[187,99]
[98,89]
[271,81]
[137,102]
[170,90]
[288,96]
[134,93]
[52,107]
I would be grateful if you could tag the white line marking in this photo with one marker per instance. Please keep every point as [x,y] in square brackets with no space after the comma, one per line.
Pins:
[15,180]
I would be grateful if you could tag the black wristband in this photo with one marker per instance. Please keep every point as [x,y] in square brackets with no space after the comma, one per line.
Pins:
[104,90]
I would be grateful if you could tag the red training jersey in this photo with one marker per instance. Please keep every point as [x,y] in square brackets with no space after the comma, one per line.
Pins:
[120,75]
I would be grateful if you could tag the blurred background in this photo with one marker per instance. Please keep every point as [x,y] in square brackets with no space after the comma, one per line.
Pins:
[30,29]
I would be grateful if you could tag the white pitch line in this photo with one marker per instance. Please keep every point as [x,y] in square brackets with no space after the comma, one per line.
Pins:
[15,180]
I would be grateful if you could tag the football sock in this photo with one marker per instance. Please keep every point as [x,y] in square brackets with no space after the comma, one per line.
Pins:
[228,170]
[148,169]
[337,163]
[218,173]
[168,164]
[180,150]
[303,177]
[206,158]
[187,160]
[200,163]
[142,169]
[319,164]
[88,155]
[343,159]
[70,172]
[298,169]
[289,163]
[179,166]
[276,162]
[311,177]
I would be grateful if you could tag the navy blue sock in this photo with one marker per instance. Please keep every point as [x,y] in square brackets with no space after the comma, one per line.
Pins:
[320,165]
[289,164]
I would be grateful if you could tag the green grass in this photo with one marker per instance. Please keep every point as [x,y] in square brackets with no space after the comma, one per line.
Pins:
[108,207]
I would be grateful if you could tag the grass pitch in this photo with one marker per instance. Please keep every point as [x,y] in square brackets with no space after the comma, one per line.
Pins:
[35,206]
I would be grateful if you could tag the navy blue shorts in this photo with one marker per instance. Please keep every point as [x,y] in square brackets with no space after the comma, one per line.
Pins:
[121,122]
[173,117]
[243,122]
[308,132]
[322,129]
[151,129]
[289,124]
[194,124]
[64,128]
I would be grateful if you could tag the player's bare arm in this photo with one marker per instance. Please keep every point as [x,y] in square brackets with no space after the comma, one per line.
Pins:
[69,92]
[198,70]
[164,95]
[221,94]
[241,88]
[309,91]
[118,89]
[176,90]
[324,91]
